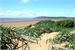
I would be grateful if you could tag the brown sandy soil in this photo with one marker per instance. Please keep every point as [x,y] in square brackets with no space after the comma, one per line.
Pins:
[18,24]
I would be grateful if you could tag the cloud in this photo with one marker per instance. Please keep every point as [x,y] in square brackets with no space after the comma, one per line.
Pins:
[1,13]
[24,13]
[30,13]
[13,13]
[25,1]
[19,13]
[0,9]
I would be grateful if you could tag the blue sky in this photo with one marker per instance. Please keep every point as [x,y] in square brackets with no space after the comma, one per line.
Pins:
[34,8]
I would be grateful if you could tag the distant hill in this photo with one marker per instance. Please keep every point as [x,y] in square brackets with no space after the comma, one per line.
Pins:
[61,17]
[32,19]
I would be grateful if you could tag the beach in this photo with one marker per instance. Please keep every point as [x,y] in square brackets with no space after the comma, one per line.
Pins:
[42,42]
[20,24]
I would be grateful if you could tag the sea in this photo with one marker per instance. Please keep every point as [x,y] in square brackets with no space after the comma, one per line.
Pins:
[19,19]
[13,19]
[24,19]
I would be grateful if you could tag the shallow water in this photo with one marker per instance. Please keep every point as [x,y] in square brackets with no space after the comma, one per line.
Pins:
[22,19]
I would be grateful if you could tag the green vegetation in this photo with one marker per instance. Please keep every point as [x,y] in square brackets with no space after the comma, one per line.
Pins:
[66,37]
[9,34]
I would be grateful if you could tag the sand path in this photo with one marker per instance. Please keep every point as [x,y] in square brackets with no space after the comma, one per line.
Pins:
[42,45]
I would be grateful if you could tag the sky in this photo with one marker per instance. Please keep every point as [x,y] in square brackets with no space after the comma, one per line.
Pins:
[35,8]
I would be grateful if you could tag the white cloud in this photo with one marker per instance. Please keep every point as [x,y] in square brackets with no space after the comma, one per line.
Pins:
[13,13]
[25,13]
[0,9]
[1,13]
[28,13]
[25,1]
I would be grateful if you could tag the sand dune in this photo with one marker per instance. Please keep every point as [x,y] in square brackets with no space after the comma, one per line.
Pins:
[42,43]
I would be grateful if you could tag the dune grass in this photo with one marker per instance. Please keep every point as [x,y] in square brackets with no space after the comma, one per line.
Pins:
[47,26]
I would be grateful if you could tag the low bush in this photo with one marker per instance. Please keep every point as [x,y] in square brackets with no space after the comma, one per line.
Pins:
[65,23]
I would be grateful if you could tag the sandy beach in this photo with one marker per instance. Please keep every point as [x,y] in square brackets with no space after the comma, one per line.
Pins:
[18,24]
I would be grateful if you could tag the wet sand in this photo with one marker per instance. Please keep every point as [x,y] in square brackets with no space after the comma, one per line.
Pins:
[18,24]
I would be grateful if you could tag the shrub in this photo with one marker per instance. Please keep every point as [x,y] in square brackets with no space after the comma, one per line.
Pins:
[65,23]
